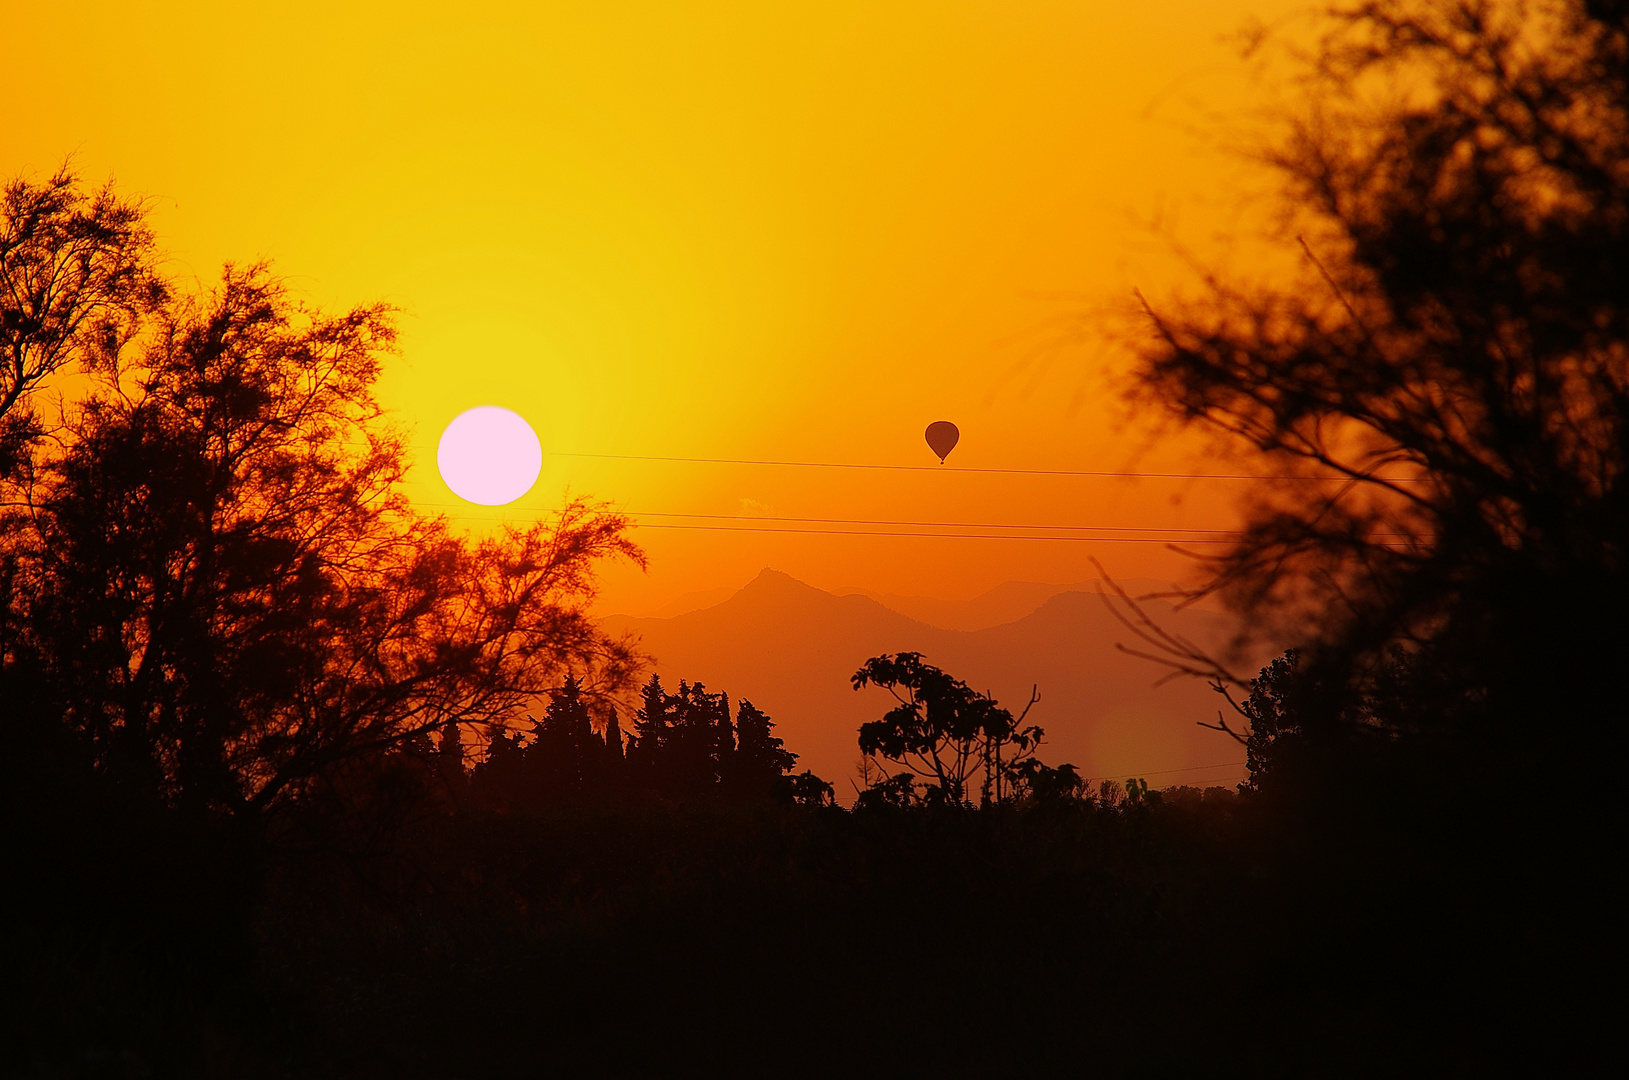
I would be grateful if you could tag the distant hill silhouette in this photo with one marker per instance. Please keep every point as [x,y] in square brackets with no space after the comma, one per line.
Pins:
[791,649]
[1007,602]
[686,603]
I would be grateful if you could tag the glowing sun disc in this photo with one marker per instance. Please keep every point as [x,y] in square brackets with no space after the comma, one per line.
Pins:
[489,456]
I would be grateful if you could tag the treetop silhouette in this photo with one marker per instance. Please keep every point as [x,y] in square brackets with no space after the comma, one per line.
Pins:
[211,574]
[1457,354]
[943,732]
[685,747]
[77,274]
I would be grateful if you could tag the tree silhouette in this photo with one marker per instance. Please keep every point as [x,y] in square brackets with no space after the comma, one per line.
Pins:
[564,763]
[680,739]
[223,591]
[76,276]
[806,789]
[615,750]
[941,731]
[650,735]
[700,739]
[1045,785]
[568,751]
[686,745]
[1457,355]
[760,758]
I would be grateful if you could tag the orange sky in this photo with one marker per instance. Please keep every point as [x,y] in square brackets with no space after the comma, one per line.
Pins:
[792,231]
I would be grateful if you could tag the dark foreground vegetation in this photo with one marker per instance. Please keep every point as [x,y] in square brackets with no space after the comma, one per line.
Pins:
[1174,932]
[294,781]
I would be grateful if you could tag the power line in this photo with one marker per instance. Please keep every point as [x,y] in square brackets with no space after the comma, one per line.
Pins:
[922,524]
[942,535]
[1163,529]
[965,536]
[1166,534]
[866,521]
[961,469]
[1167,772]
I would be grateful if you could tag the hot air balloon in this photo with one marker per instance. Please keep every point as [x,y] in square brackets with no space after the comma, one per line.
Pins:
[942,436]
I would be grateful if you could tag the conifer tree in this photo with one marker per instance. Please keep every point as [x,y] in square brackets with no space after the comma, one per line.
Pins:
[613,737]
[760,757]
[565,744]
[688,765]
[652,721]
[449,755]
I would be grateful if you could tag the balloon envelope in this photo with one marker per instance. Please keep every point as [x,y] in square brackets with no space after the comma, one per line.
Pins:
[942,436]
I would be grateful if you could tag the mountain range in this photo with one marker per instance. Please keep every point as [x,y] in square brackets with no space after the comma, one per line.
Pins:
[792,649]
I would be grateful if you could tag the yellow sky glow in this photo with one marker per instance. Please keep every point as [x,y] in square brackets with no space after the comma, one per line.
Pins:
[798,231]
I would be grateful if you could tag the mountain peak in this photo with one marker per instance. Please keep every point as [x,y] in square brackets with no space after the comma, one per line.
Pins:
[777,580]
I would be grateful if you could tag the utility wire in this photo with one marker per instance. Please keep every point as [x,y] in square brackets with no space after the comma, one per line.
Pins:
[964,536]
[941,535]
[1162,529]
[923,524]
[1167,772]
[961,469]
[945,535]
[1166,534]
[860,521]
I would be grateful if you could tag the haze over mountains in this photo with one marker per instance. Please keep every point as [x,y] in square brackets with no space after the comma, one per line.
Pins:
[791,649]
[1007,602]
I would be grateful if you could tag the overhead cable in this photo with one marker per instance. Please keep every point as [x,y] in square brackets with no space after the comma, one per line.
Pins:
[1333,478]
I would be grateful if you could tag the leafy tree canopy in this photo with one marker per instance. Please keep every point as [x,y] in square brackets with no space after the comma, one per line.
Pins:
[941,731]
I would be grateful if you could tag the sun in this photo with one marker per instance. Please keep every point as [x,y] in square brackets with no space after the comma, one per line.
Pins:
[489,455]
